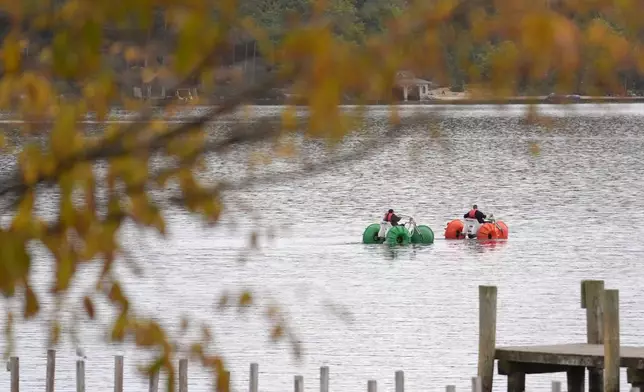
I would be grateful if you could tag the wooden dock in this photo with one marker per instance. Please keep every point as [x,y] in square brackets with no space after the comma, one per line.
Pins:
[601,355]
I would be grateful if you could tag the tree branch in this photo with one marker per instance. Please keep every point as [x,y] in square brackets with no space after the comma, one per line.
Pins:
[116,148]
[310,169]
[15,186]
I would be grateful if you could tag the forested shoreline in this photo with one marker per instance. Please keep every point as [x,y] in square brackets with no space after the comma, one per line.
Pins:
[467,59]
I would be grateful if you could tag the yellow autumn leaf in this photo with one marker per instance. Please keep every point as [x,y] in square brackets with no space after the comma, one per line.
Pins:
[31,303]
[15,262]
[148,74]
[54,332]
[45,55]
[11,54]
[245,299]
[23,219]
[196,349]
[534,148]
[286,149]
[289,117]
[223,381]
[132,54]
[116,48]
[117,296]
[89,307]
[119,328]
[65,267]
[30,159]
[212,209]
[223,301]
[277,332]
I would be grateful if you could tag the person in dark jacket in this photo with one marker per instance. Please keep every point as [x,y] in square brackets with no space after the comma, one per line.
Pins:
[392,218]
[474,213]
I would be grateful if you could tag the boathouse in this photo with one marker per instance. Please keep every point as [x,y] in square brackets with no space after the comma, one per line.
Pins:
[408,87]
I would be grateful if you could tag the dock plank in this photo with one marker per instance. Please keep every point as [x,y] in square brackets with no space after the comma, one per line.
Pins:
[576,354]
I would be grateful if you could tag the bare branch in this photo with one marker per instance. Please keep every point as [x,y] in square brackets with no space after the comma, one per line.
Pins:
[16,186]
[311,169]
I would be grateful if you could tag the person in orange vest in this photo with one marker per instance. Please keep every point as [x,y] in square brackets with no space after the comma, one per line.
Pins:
[474,213]
[392,218]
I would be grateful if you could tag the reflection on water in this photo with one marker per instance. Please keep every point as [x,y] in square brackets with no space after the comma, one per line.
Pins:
[413,308]
[483,246]
[396,252]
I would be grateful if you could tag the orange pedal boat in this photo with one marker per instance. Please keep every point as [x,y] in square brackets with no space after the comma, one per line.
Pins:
[459,229]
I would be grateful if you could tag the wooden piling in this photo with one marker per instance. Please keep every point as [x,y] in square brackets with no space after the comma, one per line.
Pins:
[372,386]
[253,380]
[476,384]
[591,300]
[14,368]
[51,370]
[450,388]
[487,336]
[324,379]
[118,373]
[400,381]
[153,385]
[516,382]
[556,386]
[298,384]
[80,376]
[611,341]
[575,378]
[183,375]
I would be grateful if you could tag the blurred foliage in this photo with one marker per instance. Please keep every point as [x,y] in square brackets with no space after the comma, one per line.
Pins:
[64,60]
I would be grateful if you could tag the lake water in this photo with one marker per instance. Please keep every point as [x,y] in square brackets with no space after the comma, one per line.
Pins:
[574,210]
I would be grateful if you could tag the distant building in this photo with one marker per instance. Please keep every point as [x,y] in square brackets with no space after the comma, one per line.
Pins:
[408,87]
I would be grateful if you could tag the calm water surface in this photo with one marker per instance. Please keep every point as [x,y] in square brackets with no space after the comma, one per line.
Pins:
[574,212]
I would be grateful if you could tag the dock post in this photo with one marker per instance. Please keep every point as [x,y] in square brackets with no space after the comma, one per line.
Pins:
[80,375]
[591,300]
[324,379]
[253,383]
[372,386]
[487,336]
[51,370]
[611,341]
[14,368]
[400,381]
[299,384]
[183,375]
[575,378]
[118,373]
[476,384]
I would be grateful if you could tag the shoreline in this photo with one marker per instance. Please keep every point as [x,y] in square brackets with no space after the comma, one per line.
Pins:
[525,101]
[9,117]
[454,100]
[461,101]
